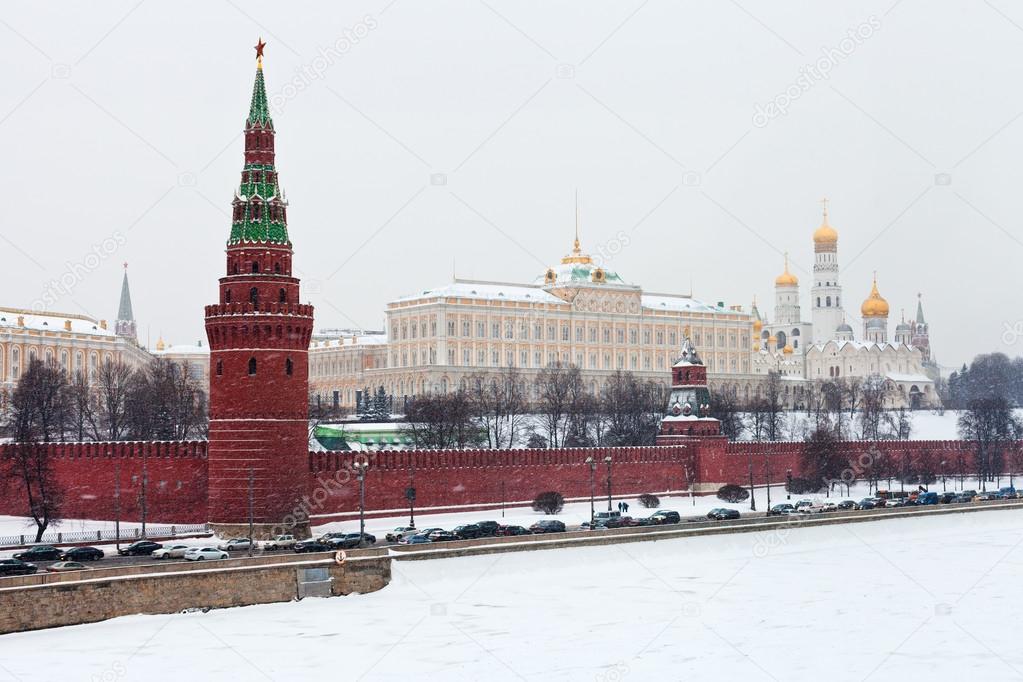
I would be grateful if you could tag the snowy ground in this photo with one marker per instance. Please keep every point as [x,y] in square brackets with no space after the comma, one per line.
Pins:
[884,600]
[16,525]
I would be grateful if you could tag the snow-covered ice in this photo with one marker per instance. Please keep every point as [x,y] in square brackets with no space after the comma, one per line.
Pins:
[892,599]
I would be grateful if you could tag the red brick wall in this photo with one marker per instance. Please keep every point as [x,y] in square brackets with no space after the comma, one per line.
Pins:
[87,473]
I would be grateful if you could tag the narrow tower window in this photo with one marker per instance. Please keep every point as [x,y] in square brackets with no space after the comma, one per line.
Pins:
[255,266]
[220,368]
[282,297]
[252,367]
[254,296]
[288,367]
[227,296]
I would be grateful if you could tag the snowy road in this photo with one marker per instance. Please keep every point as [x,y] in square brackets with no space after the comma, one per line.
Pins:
[890,599]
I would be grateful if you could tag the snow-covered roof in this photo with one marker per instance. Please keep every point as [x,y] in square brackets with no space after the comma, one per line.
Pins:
[183,349]
[678,303]
[354,340]
[860,345]
[51,321]
[908,378]
[486,291]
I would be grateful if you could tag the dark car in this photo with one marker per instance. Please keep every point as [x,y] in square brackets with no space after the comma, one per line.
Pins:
[723,514]
[415,540]
[39,553]
[866,503]
[666,516]
[846,505]
[781,509]
[488,528]
[442,536]
[619,522]
[351,540]
[548,526]
[315,546]
[469,531]
[82,554]
[512,530]
[140,548]
[947,498]
[16,567]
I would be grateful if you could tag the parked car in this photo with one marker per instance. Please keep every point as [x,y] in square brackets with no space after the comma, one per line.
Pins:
[65,566]
[400,532]
[969,494]
[414,540]
[235,544]
[16,567]
[140,548]
[781,509]
[467,532]
[846,505]
[947,498]
[1007,493]
[171,552]
[547,526]
[204,553]
[82,554]
[986,496]
[350,540]
[488,528]
[963,498]
[39,553]
[829,507]
[512,530]
[866,503]
[442,536]
[803,504]
[928,498]
[898,502]
[279,542]
[723,514]
[312,546]
[603,516]
[617,522]
[666,516]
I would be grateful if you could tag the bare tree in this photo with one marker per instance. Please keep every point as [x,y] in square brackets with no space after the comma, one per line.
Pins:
[82,415]
[726,409]
[38,409]
[773,406]
[990,425]
[630,410]
[558,388]
[113,384]
[873,394]
[499,406]
[442,421]
[164,404]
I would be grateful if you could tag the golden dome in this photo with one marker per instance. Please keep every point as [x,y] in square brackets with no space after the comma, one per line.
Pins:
[786,279]
[756,347]
[757,326]
[875,305]
[825,234]
[787,350]
[772,340]
[160,345]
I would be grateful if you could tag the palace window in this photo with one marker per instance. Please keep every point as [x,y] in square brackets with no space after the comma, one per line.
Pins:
[252,367]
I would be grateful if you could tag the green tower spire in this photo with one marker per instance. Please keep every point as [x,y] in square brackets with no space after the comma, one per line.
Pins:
[259,110]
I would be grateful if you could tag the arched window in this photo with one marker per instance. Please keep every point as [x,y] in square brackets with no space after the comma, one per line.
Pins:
[227,296]
[220,368]
[252,367]
[282,296]
[254,296]
[289,367]
[234,268]
[277,268]
[255,266]
[828,299]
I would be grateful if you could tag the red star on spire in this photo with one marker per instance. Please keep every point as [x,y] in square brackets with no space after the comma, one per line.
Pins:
[259,48]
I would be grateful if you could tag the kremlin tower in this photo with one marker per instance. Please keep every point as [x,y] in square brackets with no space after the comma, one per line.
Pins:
[259,336]
[826,294]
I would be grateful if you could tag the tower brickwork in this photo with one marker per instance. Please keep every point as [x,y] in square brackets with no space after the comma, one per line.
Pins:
[259,335]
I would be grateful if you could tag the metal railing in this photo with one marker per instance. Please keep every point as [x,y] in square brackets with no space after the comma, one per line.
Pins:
[103,535]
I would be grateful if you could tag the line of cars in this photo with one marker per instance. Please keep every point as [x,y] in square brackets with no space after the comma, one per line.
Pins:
[886,500]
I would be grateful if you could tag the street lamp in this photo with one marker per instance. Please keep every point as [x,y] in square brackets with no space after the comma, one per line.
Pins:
[752,496]
[593,472]
[607,460]
[788,484]
[943,488]
[360,473]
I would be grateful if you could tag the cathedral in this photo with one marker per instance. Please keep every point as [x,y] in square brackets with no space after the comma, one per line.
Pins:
[827,347]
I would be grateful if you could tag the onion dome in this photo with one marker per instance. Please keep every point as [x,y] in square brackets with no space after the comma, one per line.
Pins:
[825,235]
[875,305]
[756,347]
[160,345]
[757,326]
[772,340]
[787,350]
[786,279]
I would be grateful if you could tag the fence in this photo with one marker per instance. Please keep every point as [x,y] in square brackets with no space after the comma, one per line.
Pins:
[103,535]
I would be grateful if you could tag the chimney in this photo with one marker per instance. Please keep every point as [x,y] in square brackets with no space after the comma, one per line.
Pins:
[67,325]
[21,320]
[102,324]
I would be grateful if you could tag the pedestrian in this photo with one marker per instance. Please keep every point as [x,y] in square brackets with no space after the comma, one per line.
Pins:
[626,505]
[619,507]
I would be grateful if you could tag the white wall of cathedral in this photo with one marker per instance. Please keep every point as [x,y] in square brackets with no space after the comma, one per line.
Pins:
[786,305]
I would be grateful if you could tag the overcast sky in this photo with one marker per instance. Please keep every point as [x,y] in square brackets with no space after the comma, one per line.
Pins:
[416,138]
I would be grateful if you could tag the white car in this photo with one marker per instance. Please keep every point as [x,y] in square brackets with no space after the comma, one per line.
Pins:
[170,552]
[279,542]
[234,544]
[203,553]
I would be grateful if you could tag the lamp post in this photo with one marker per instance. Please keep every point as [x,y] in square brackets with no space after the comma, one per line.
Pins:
[788,484]
[767,472]
[117,504]
[607,460]
[360,473]
[410,495]
[250,511]
[752,496]
[593,472]
[943,488]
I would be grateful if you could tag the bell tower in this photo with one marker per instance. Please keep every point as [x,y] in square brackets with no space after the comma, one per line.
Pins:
[259,336]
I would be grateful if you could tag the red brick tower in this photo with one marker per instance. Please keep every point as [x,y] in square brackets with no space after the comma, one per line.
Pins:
[688,412]
[259,338]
